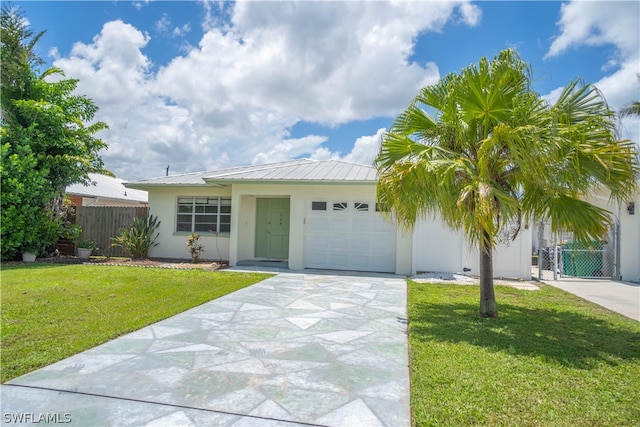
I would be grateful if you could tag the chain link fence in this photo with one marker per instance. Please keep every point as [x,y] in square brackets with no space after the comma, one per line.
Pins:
[559,254]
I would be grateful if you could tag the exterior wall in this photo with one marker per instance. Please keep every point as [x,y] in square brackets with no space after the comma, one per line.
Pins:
[630,242]
[75,200]
[244,218]
[629,234]
[431,247]
[438,248]
[163,203]
[510,260]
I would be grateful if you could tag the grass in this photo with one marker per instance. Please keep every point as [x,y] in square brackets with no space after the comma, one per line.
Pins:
[550,359]
[50,312]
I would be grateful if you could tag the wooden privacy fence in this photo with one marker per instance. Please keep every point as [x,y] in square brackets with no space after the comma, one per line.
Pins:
[101,223]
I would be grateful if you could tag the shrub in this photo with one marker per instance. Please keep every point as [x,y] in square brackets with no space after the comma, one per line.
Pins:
[137,239]
[195,248]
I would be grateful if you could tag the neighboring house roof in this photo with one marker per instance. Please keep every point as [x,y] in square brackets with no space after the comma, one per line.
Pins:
[303,170]
[106,187]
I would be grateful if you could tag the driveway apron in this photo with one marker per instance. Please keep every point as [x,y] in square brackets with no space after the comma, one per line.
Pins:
[295,349]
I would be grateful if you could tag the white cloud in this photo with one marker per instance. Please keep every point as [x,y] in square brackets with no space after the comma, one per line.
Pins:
[163,24]
[112,70]
[290,148]
[366,148]
[553,96]
[471,14]
[595,23]
[181,31]
[591,23]
[140,4]
[254,75]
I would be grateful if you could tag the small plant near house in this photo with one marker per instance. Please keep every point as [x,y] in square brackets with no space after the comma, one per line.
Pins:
[85,244]
[137,239]
[195,248]
[85,247]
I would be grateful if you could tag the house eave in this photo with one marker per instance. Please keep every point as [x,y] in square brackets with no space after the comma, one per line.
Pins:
[146,186]
[227,182]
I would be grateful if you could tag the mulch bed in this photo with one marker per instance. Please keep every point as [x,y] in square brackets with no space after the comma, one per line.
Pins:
[128,262]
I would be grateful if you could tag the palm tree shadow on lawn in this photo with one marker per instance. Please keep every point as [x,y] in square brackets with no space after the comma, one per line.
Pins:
[568,338]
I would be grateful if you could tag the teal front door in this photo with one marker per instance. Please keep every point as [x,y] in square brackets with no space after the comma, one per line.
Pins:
[272,228]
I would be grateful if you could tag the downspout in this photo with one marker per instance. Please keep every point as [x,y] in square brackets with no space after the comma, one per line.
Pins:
[616,235]
[540,237]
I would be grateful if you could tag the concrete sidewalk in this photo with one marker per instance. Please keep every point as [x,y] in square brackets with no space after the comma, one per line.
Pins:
[293,350]
[621,297]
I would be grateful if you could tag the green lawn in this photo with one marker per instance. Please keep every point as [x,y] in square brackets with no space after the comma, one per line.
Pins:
[550,359]
[51,311]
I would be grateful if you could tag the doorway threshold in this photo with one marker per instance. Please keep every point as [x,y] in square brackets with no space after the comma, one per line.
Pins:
[279,264]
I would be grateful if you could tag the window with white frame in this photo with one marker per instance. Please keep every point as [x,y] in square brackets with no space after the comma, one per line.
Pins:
[202,214]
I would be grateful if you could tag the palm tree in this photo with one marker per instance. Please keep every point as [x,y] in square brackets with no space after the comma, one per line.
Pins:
[632,109]
[487,154]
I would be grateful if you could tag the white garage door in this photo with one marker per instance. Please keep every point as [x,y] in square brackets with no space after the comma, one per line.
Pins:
[349,235]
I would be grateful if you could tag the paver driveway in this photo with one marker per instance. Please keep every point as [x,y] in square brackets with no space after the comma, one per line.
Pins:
[296,349]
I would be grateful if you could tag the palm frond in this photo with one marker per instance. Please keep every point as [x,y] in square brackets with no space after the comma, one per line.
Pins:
[631,110]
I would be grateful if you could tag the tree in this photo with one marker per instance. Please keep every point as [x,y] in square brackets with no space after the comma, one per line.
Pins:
[45,140]
[632,109]
[487,154]
[18,56]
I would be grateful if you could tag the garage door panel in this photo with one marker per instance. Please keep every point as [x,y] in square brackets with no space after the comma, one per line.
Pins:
[339,262]
[383,263]
[351,239]
[359,261]
[381,244]
[360,244]
[340,225]
[381,223]
[317,224]
[318,241]
[362,224]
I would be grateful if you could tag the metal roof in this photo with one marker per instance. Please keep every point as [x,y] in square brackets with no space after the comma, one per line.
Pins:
[106,187]
[303,170]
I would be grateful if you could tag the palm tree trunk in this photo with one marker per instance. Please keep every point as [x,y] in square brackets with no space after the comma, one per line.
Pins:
[488,305]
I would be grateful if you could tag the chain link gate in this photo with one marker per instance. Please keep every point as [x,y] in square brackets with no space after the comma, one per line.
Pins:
[561,255]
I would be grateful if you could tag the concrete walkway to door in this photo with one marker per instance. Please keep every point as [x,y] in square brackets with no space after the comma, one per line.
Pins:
[296,349]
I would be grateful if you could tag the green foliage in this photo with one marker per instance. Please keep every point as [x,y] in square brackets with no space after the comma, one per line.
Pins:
[85,244]
[18,55]
[139,238]
[46,145]
[24,224]
[631,110]
[72,232]
[487,154]
[50,312]
[195,248]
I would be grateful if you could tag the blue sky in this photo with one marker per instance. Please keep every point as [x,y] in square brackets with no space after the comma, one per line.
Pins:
[202,85]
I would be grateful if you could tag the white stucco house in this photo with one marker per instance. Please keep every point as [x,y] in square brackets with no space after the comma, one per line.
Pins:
[619,255]
[626,216]
[312,214]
